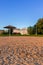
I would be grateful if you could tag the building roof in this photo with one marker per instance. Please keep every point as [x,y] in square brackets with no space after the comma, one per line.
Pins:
[10,27]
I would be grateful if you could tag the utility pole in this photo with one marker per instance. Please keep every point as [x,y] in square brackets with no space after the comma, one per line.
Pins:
[36,29]
[9,32]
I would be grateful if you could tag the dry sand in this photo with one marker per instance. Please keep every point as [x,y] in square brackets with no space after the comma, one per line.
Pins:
[27,50]
[21,40]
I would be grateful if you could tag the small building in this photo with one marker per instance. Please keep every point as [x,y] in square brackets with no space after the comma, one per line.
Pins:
[14,30]
[21,31]
[24,31]
[17,31]
[10,29]
[1,31]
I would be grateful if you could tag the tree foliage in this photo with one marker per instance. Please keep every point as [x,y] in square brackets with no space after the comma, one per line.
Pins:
[30,30]
[38,27]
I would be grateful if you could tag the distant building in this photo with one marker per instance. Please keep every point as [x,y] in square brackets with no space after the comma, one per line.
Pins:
[12,29]
[21,31]
[1,31]
[16,31]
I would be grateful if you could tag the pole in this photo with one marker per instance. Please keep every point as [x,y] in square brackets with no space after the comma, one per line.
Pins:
[9,32]
[36,29]
[9,35]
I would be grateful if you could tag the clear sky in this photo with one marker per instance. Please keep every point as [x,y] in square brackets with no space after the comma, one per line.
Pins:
[20,13]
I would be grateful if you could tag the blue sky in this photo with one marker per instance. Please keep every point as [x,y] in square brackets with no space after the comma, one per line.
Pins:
[20,13]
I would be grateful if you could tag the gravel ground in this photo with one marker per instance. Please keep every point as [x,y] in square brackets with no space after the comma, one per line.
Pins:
[21,50]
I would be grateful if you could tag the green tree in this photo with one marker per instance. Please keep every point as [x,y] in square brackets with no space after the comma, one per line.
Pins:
[30,30]
[37,28]
[34,29]
[40,26]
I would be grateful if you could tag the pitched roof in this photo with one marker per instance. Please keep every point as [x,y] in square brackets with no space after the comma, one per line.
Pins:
[10,27]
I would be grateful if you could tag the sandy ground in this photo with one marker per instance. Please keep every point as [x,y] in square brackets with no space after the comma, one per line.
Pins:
[30,49]
[21,40]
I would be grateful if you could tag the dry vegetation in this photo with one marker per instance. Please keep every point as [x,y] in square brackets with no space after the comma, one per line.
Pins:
[21,50]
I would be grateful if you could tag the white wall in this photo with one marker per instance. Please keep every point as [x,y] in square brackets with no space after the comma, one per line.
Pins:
[22,31]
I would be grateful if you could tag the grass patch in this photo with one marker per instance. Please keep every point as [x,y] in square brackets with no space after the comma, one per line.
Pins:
[6,34]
